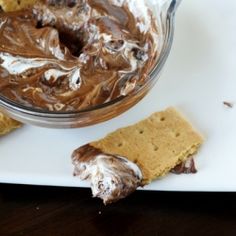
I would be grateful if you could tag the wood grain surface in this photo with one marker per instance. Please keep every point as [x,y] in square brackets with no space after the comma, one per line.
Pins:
[34,210]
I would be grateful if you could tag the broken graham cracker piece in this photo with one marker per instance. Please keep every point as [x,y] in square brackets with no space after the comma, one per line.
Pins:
[156,144]
[7,124]
[134,156]
[15,5]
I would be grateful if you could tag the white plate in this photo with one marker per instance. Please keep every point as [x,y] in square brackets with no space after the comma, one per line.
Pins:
[200,74]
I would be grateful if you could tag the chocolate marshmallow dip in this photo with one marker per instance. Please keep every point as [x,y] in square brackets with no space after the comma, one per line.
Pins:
[70,55]
[112,177]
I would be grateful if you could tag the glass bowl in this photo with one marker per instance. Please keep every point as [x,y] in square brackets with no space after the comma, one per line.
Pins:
[164,11]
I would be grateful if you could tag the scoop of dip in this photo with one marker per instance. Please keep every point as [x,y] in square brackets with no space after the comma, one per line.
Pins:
[69,55]
[112,177]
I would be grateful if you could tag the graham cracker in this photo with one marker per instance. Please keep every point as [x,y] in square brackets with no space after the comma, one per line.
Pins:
[156,144]
[15,5]
[7,124]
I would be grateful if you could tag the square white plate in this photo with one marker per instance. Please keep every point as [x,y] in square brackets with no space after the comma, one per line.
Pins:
[200,74]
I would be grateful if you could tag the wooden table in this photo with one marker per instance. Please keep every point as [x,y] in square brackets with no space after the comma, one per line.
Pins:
[32,210]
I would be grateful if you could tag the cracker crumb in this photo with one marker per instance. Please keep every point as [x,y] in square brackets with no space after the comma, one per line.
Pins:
[228,104]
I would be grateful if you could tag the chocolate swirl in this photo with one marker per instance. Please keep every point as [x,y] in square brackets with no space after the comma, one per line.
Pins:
[71,55]
[112,177]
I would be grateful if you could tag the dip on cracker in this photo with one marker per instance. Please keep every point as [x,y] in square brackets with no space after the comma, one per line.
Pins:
[154,146]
